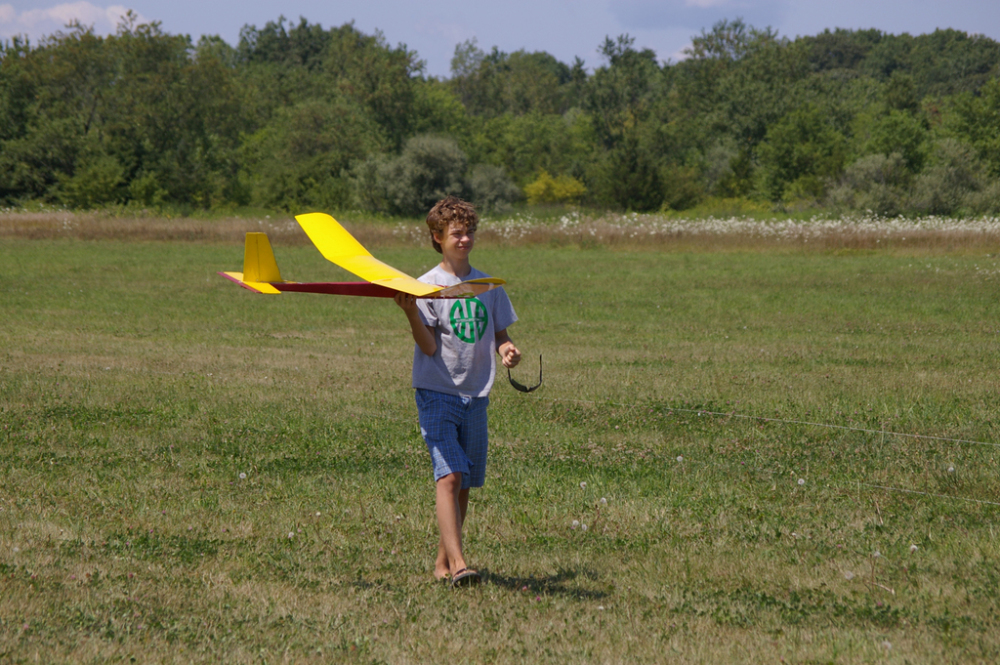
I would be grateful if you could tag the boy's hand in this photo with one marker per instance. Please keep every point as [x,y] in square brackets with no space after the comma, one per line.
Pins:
[510,356]
[407,302]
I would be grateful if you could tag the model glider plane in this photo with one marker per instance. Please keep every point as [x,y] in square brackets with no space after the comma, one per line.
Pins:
[260,270]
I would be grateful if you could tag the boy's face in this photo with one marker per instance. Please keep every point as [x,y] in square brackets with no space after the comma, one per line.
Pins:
[457,241]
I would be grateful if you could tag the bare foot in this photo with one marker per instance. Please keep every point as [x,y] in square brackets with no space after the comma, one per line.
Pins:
[442,570]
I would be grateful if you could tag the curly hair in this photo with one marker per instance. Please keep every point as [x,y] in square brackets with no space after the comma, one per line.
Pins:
[451,211]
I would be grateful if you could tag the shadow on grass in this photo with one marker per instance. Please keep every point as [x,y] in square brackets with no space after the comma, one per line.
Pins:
[560,584]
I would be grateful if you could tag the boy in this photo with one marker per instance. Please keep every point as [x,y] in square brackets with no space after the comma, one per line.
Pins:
[453,371]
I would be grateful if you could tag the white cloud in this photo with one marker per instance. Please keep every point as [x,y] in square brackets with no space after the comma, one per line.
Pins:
[37,23]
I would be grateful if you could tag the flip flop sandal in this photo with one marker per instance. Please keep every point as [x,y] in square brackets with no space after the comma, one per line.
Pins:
[465,577]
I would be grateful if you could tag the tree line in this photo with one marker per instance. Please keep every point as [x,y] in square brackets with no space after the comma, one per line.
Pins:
[296,117]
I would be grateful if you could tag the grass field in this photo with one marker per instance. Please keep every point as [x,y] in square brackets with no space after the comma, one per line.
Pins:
[192,473]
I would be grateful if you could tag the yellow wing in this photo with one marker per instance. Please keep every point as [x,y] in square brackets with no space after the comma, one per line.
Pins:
[340,247]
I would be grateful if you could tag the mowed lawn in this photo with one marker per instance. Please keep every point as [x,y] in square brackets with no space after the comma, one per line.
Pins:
[713,470]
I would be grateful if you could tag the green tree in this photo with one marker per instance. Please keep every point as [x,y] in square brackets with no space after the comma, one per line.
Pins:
[52,97]
[895,131]
[428,169]
[632,177]
[799,154]
[953,176]
[975,119]
[875,183]
[840,49]
[301,158]
[377,75]
[489,187]
[517,83]
[524,145]
[729,41]
[622,93]
[172,117]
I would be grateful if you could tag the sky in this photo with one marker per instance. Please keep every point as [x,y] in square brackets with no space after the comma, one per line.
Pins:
[566,29]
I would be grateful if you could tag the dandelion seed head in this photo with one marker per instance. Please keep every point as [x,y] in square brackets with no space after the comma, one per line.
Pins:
[583,485]
[913,548]
[575,524]
[291,534]
[583,527]
[802,481]
[951,469]
[848,575]
[243,476]
[604,501]
[886,644]
[680,458]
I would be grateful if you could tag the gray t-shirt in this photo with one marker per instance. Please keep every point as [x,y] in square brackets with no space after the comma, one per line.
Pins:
[464,329]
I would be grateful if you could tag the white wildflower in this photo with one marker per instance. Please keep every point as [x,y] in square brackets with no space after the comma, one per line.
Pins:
[583,527]
[680,458]
[583,485]
[604,501]
[802,481]
[575,524]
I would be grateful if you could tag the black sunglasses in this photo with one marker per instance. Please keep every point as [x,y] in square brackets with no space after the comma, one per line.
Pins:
[523,388]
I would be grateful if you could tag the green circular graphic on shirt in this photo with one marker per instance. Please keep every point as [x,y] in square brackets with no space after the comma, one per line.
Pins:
[468,319]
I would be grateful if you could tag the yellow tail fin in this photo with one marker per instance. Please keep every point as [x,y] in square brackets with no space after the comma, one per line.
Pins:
[258,260]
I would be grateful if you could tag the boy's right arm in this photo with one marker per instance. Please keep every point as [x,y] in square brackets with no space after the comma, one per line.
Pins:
[423,335]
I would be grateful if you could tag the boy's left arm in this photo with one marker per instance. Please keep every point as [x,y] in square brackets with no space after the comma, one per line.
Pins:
[509,354]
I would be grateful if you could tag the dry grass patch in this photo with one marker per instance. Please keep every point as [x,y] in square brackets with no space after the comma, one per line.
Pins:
[588,230]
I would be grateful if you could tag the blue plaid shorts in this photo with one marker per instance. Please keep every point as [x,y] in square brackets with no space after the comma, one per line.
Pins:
[454,429]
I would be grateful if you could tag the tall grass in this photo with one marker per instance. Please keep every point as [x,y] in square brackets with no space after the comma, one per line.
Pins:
[556,227]
[192,473]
